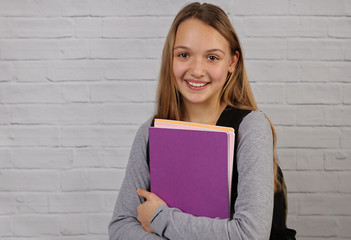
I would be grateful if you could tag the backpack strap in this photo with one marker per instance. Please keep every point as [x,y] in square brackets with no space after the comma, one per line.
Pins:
[147,146]
[232,117]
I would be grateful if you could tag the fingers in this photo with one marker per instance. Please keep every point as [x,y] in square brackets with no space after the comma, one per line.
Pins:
[143,193]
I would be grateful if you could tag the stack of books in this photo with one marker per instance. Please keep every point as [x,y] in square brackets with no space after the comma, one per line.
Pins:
[191,166]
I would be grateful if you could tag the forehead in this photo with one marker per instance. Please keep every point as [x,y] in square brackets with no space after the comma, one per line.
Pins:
[194,33]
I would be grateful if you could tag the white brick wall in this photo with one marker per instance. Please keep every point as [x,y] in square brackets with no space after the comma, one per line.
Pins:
[77,78]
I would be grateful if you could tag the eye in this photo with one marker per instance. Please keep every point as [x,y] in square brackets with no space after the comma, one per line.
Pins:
[213,58]
[183,55]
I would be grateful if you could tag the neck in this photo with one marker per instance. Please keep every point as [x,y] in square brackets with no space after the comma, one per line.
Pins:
[203,113]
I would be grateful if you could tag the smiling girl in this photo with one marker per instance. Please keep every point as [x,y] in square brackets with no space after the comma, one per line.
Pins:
[203,80]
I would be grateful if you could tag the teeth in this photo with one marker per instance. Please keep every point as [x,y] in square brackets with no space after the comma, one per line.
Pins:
[196,84]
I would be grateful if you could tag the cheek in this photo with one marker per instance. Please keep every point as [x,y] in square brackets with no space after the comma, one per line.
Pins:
[179,69]
[219,73]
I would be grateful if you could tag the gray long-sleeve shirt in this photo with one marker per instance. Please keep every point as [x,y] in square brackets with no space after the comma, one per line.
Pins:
[253,207]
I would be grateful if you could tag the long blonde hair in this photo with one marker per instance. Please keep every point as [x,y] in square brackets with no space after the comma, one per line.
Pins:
[236,91]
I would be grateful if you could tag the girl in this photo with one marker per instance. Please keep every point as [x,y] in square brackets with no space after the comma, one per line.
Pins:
[203,80]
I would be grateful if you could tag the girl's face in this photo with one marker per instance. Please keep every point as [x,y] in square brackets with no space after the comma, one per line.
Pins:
[201,62]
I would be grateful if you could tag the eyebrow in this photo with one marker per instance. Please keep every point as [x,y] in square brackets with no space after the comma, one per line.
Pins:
[210,50]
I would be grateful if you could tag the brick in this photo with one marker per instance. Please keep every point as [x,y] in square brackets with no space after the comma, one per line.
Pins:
[347,46]
[286,158]
[338,116]
[32,180]
[310,115]
[74,180]
[346,138]
[151,89]
[110,200]
[270,7]
[43,158]
[315,226]
[116,157]
[293,203]
[75,202]
[87,157]
[337,160]
[311,181]
[344,182]
[272,71]
[117,48]
[339,27]
[153,48]
[346,93]
[30,93]
[98,223]
[270,26]
[74,224]
[32,203]
[313,94]
[309,159]
[75,92]
[280,114]
[132,91]
[106,179]
[42,28]
[8,204]
[5,71]
[269,93]
[5,28]
[308,137]
[74,49]
[50,8]
[33,49]
[75,71]
[317,7]
[312,27]
[6,158]
[264,48]
[29,136]
[88,27]
[238,23]
[5,226]
[320,204]
[314,71]
[5,114]
[137,8]
[31,71]
[131,69]
[344,227]
[340,72]
[57,114]
[106,136]
[136,27]
[126,113]
[36,225]
[315,49]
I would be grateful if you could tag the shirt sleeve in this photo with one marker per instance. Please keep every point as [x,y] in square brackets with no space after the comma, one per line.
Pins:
[124,224]
[254,204]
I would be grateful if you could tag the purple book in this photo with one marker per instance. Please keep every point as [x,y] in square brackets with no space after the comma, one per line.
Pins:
[189,170]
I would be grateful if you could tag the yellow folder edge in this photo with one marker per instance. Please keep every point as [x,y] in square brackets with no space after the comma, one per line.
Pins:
[228,129]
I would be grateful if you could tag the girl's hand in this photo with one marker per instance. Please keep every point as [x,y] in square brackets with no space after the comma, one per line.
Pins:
[147,209]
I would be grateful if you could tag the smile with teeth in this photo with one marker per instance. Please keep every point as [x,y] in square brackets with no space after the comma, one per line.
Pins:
[196,84]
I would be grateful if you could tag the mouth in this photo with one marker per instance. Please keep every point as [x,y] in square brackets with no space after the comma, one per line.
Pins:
[196,84]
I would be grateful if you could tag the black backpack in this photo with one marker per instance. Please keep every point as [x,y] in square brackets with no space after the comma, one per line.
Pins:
[232,117]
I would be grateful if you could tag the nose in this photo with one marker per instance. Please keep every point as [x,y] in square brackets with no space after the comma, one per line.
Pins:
[197,68]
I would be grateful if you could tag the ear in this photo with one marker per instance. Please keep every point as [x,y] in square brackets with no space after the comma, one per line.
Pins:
[234,61]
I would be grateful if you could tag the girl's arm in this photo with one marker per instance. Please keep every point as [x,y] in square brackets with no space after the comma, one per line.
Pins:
[124,224]
[254,204]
